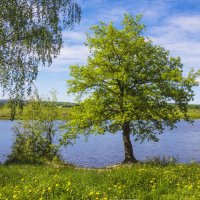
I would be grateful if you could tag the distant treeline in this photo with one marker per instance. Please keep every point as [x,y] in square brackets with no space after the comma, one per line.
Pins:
[62,104]
[194,106]
[70,104]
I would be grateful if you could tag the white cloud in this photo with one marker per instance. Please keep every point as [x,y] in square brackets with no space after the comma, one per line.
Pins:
[73,36]
[178,34]
[70,55]
[152,10]
[190,24]
[74,52]
[114,14]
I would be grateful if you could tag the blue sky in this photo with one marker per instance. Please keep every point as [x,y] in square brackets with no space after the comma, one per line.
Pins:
[173,24]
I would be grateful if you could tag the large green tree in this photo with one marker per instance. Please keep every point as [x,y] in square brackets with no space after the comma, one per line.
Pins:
[31,36]
[128,85]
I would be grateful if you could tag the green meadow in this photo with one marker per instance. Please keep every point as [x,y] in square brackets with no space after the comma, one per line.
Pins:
[137,181]
[193,111]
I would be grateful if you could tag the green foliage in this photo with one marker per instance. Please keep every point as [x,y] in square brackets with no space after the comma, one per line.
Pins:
[128,81]
[4,111]
[35,132]
[141,181]
[31,35]
[194,106]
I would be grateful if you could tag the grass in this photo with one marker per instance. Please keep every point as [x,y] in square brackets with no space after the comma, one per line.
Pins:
[194,113]
[139,181]
[4,113]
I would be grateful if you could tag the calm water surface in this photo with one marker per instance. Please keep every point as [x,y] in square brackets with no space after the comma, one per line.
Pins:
[101,150]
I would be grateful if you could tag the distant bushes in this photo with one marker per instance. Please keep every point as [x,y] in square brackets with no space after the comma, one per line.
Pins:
[194,106]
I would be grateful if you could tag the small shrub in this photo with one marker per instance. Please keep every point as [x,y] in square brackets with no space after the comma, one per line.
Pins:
[163,161]
[35,132]
[30,147]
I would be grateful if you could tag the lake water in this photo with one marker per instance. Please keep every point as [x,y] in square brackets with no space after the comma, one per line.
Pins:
[101,150]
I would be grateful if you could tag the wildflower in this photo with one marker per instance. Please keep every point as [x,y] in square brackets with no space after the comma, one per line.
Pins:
[69,183]
[91,193]
[57,185]
[14,196]
[49,188]
[190,187]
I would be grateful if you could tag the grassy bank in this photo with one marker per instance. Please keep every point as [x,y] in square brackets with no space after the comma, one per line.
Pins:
[140,181]
[194,113]
[5,113]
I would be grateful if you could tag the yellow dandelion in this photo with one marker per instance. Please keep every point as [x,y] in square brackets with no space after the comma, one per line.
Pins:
[91,193]
[69,183]
[190,187]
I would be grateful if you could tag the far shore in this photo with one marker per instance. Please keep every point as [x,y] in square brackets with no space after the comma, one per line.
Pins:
[194,113]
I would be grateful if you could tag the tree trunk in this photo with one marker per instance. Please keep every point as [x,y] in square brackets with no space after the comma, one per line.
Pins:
[128,149]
